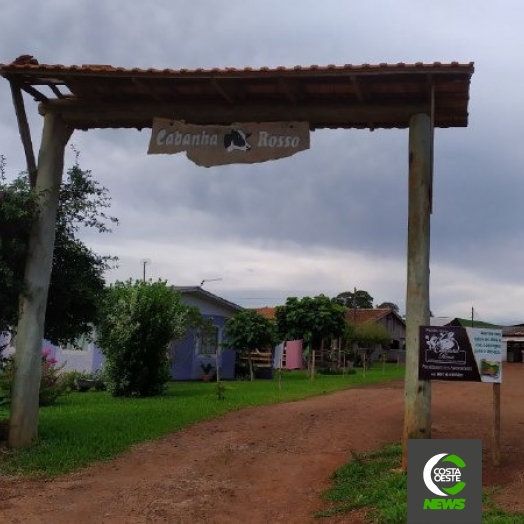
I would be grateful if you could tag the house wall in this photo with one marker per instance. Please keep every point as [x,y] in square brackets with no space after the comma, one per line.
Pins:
[186,362]
[396,329]
[206,307]
[86,360]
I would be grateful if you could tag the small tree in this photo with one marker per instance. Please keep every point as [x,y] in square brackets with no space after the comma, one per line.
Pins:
[348,342]
[310,319]
[389,305]
[368,336]
[73,300]
[247,331]
[139,321]
[359,299]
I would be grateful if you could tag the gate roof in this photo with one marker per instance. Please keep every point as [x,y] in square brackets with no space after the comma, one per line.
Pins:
[347,96]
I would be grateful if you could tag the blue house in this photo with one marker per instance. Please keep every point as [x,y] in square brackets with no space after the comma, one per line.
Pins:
[204,346]
[187,355]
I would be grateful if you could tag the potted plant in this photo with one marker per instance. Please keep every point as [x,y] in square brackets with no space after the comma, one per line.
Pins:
[207,368]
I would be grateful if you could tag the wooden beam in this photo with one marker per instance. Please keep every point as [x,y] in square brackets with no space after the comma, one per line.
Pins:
[417,393]
[86,115]
[25,132]
[23,422]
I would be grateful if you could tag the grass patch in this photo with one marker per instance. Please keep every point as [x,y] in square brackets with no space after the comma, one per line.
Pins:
[83,428]
[373,481]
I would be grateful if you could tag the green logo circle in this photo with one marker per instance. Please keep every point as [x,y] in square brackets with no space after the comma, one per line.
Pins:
[433,475]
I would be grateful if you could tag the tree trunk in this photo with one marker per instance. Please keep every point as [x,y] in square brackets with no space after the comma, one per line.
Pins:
[23,422]
[251,373]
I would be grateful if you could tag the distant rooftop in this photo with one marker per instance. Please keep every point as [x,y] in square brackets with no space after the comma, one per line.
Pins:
[197,290]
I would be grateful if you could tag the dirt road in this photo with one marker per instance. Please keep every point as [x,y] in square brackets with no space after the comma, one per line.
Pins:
[269,464]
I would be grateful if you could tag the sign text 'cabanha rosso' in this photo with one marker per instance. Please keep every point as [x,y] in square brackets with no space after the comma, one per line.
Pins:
[239,143]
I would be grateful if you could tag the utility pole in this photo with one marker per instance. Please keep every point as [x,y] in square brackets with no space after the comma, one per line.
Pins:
[144,262]
[355,306]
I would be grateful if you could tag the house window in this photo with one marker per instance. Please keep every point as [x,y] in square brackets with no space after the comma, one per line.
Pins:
[208,340]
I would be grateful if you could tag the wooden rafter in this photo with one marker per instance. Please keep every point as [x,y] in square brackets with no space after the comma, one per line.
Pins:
[222,92]
[55,90]
[361,97]
[25,132]
[141,83]
[285,88]
[37,95]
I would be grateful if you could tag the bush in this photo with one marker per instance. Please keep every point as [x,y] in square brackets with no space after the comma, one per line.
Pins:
[68,379]
[51,385]
[138,322]
[82,381]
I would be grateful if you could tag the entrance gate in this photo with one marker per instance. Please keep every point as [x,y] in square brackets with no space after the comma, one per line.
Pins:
[415,96]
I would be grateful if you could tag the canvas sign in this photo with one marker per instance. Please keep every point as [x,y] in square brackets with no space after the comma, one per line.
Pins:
[459,353]
[239,143]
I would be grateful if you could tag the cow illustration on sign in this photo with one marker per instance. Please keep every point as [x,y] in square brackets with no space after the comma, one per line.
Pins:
[444,343]
[443,347]
[237,139]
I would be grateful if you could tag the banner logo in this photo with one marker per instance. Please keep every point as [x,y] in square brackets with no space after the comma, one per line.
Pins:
[433,475]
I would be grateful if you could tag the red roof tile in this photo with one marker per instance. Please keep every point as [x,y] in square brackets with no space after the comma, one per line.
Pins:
[343,96]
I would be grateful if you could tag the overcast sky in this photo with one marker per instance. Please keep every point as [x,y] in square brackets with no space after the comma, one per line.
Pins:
[328,219]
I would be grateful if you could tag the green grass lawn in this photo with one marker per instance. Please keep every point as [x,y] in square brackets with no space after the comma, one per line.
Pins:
[373,481]
[86,427]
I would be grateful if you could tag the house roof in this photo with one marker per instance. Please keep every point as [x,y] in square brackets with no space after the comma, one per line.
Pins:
[357,316]
[198,291]
[268,312]
[467,322]
[345,96]
[513,331]
[368,316]
[440,321]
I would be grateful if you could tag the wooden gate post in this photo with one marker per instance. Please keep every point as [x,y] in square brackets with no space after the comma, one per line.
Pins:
[23,423]
[417,393]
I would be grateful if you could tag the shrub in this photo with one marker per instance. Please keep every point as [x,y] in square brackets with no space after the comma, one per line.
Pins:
[68,379]
[82,381]
[138,322]
[51,385]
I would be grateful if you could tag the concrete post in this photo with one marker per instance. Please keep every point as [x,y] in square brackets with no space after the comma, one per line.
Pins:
[417,393]
[23,423]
